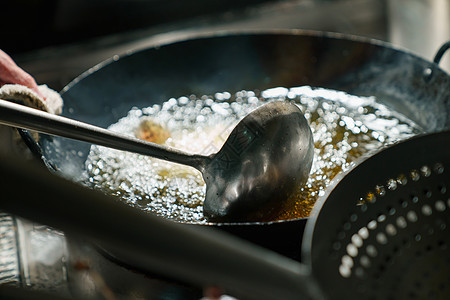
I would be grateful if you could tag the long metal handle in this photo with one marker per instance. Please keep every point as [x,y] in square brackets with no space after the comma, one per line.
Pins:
[17,115]
[195,255]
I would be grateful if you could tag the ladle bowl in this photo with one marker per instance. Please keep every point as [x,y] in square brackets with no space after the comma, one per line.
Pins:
[264,161]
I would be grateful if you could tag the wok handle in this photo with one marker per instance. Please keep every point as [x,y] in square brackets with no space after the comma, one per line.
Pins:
[17,115]
[440,52]
[198,256]
[428,72]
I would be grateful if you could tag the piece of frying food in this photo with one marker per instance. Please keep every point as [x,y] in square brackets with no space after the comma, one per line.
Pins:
[151,131]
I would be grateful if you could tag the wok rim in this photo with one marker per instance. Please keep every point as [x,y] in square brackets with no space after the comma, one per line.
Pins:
[243,32]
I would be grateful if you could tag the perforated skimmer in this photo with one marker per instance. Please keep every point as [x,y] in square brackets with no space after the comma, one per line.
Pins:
[383,231]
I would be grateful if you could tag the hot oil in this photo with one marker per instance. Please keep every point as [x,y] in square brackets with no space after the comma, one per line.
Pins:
[344,128]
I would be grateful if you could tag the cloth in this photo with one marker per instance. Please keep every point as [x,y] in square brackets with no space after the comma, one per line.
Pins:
[21,94]
[10,140]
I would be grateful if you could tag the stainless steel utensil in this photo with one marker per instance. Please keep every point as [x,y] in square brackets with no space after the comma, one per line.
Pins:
[193,254]
[265,159]
[382,232]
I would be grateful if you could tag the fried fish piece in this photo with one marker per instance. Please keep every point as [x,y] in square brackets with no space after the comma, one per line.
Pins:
[151,131]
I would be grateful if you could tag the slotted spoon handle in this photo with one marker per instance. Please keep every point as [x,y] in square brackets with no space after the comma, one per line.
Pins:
[17,115]
[195,255]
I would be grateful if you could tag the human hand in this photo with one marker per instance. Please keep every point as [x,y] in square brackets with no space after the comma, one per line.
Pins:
[19,86]
[10,73]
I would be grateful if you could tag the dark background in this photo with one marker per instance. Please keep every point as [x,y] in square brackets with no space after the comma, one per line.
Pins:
[56,40]
[33,24]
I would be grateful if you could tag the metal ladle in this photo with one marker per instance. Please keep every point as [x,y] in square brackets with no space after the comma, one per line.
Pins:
[267,156]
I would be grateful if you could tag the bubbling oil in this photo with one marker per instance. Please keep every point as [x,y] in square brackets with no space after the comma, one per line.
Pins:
[344,127]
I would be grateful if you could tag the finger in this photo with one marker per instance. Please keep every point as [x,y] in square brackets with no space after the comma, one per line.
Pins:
[10,73]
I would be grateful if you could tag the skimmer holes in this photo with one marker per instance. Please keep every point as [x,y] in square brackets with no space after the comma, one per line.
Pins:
[388,230]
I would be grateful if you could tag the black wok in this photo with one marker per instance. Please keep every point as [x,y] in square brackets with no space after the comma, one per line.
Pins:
[232,62]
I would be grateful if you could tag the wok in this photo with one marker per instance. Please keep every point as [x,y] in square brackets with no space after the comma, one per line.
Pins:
[231,62]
